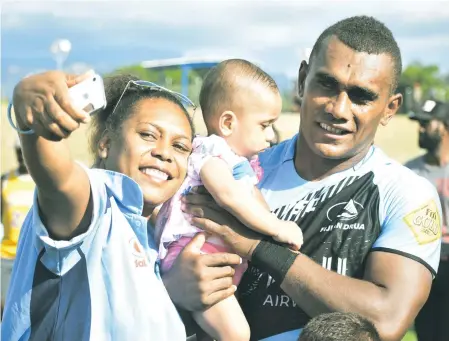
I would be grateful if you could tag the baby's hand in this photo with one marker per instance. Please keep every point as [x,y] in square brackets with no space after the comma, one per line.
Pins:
[291,234]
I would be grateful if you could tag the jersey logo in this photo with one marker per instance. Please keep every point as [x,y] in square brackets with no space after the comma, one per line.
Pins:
[342,214]
[425,223]
[138,253]
[348,212]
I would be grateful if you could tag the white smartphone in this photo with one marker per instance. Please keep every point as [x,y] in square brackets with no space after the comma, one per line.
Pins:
[89,95]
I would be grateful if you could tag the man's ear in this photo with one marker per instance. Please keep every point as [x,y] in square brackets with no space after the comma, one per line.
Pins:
[302,74]
[227,122]
[394,103]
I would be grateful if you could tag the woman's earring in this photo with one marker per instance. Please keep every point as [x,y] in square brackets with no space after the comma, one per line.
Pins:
[104,153]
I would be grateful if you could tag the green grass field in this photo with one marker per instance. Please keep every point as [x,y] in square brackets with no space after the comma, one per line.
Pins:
[411,336]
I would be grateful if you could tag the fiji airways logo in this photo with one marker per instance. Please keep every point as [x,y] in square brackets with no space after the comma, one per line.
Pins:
[343,213]
[138,253]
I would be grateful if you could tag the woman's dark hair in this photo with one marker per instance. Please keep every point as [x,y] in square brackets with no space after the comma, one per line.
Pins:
[111,120]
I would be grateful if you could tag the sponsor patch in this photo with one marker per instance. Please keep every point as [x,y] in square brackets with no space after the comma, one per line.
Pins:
[425,223]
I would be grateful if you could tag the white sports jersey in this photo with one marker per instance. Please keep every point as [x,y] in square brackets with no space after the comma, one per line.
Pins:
[378,205]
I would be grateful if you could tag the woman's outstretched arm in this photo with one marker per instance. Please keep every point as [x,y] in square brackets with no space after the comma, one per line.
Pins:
[42,103]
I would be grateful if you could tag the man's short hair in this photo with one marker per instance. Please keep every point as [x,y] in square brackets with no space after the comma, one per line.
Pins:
[364,34]
[220,84]
[339,327]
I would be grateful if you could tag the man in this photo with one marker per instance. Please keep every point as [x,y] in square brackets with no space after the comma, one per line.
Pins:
[339,327]
[431,323]
[371,226]
[17,190]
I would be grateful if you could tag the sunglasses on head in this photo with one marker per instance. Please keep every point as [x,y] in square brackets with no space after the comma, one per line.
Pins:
[185,101]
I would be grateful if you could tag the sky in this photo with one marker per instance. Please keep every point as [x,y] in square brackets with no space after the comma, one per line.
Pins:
[273,33]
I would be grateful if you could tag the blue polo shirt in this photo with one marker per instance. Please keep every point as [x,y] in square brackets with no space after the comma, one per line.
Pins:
[101,285]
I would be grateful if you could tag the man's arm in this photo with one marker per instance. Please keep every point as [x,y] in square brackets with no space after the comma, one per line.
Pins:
[398,271]
[392,292]
[396,282]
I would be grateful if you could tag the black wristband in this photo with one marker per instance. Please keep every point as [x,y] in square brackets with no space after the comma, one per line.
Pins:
[273,258]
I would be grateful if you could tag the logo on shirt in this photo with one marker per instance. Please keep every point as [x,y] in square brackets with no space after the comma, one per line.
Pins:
[343,213]
[425,223]
[138,253]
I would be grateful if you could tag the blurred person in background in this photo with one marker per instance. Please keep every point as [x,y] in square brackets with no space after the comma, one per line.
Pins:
[17,190]
[431,322]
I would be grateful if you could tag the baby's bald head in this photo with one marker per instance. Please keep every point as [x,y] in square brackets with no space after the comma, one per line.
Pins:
[225,86]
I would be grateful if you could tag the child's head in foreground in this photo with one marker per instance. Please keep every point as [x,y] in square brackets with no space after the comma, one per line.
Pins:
[339,327]
[240,102]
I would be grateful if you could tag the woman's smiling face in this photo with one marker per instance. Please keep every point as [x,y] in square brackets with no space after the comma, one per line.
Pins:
[152,147]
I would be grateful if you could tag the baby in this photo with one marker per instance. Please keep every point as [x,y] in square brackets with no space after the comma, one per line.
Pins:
[240,103]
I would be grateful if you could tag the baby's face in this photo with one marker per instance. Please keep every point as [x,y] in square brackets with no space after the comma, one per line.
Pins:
[260,108]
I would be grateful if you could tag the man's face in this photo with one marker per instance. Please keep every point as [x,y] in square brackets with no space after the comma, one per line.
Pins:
[430,134]
[345,95]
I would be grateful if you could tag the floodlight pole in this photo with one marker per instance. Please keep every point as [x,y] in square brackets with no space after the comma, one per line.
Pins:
[60,50]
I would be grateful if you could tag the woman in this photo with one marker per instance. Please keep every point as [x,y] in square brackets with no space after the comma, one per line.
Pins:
[85,267]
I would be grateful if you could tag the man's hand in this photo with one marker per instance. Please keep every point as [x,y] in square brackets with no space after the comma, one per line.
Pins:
[197,281]
[208,216]
[42,103]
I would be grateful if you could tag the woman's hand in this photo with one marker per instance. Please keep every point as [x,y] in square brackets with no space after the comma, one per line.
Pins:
[197,281]
[210,217]
[42,103]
